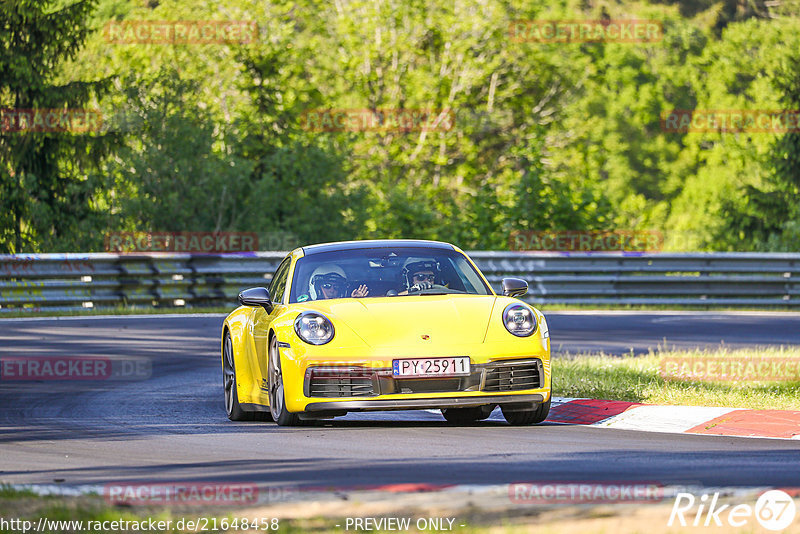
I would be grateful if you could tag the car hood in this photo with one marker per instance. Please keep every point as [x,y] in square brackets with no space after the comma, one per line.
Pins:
[406,320]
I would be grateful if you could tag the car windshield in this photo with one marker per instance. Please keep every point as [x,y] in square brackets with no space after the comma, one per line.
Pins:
[380,272]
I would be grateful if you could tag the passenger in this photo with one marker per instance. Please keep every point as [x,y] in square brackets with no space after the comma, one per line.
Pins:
[329,281]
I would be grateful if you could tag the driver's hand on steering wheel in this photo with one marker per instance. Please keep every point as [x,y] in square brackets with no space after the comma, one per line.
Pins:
[360,291]
[420,286]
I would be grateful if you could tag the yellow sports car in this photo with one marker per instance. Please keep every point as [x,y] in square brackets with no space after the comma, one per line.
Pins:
[384,325]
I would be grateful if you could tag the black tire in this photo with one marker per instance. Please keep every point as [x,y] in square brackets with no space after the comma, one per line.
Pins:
[518,416]
[465,416]
[232,406]
[277,400]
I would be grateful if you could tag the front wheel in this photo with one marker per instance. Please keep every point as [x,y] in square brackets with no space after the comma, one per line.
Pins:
[518,416]
[277,399]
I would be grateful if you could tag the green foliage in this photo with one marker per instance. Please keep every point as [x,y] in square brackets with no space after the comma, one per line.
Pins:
[729,198]
[786,160]
[544,136]
[46,185]
[176,172]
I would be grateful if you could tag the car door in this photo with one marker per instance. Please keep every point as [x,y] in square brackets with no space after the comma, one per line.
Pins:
[262,319]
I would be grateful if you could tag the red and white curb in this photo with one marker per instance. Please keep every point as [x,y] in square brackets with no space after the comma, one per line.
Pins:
[780,424]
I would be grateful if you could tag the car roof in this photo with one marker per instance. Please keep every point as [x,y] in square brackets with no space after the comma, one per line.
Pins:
[375,243]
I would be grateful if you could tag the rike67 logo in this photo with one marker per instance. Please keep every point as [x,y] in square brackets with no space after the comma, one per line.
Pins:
[774,510]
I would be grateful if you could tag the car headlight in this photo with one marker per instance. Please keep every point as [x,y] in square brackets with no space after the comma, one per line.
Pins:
[313,328]
[519,319]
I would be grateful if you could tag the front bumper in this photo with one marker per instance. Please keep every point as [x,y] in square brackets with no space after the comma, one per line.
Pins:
[369,385]
[418,404]
[503,376]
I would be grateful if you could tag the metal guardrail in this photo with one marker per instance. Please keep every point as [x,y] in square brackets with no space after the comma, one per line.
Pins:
[65,282]
[686,279]
[35,282]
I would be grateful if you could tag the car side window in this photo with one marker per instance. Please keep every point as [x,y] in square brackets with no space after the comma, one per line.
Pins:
[278,285]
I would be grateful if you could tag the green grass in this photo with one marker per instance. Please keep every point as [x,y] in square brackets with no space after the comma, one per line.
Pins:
[8,492]
[639,379]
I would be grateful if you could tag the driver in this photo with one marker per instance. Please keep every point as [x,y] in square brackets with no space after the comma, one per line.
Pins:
[420,275]
[329,281]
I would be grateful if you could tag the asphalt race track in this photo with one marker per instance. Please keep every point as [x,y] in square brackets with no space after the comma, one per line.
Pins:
[172,427]
[620,332]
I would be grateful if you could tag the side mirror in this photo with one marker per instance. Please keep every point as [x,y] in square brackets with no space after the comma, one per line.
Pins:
[256,296]
[514,287]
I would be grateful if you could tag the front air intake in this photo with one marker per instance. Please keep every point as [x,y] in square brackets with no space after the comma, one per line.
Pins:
[513,375]
[339,382]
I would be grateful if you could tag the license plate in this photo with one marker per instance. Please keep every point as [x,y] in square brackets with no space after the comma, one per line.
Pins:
[430,367]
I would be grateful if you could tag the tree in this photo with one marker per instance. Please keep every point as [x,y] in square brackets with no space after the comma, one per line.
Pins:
[46,182]
[299,180]
[767,216]
[787,148]
[786,160]
[175,171]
